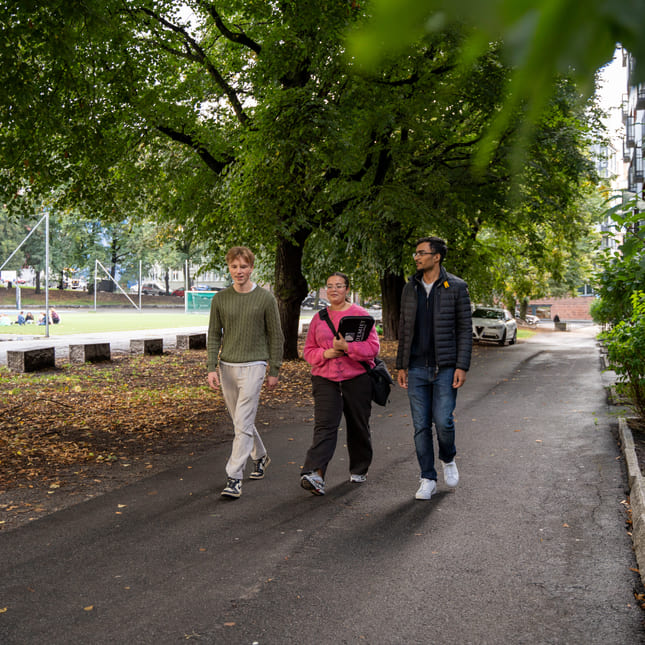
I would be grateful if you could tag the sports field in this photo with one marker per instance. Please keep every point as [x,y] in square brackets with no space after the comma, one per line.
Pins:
[84,321]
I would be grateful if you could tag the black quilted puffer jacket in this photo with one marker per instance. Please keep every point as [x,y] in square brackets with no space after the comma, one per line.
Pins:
[453,334]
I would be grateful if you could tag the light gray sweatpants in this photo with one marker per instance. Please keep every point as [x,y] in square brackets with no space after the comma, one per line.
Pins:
[241,385]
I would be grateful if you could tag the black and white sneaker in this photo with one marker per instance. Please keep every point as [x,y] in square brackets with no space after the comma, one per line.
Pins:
[260,465]
[233,487]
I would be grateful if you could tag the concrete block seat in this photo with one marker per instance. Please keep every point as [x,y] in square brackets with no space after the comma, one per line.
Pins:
[195,340]
[146,346]
[89,353]
[31,359]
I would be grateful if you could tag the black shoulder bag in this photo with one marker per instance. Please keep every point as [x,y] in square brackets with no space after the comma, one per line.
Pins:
[380,376]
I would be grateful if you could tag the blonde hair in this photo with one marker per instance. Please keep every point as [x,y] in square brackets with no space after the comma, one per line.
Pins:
[240,252]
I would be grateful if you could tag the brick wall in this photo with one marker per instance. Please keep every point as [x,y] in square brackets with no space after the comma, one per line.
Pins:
[566,308]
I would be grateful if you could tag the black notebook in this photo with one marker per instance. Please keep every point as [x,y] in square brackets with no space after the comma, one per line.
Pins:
[355,328]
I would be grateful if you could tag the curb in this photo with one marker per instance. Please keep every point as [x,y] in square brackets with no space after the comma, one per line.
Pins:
[636,493]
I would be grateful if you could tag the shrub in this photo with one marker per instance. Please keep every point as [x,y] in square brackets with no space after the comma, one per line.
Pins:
[600,312]
[626,354]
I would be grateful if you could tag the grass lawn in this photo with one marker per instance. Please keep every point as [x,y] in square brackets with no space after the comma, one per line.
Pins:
[83,321]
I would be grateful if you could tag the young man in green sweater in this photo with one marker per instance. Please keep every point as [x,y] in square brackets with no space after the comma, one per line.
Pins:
[244,335]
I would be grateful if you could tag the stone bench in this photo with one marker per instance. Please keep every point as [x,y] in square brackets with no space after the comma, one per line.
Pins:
[30,360]
[89,353]
[147,346]
[560,326]
[191,341]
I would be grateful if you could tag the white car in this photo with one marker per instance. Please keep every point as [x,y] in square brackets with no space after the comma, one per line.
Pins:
[496,325]
[148,289]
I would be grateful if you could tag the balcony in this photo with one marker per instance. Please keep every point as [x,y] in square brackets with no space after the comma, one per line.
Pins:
[640,97]
[639,174]
[627,155]
[636,171]
[630,132]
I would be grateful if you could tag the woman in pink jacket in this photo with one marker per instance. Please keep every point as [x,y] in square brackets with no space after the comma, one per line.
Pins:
[340,385]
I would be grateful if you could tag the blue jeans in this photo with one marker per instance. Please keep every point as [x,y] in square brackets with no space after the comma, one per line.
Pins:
[432,398]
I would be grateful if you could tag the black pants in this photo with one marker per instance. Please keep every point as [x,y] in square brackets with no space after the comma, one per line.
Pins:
[331,399]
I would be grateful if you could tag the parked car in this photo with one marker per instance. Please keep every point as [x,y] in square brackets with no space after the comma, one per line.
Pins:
[496,325]
[205,287]
[309,303]
[78,284]
[178,292]
[149,289]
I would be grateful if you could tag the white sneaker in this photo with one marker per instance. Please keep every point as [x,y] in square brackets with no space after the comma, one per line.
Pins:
[451,474]
[313,482]
[427,488]
[357,479]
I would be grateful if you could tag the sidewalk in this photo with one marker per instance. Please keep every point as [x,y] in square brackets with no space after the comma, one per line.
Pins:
[530,549]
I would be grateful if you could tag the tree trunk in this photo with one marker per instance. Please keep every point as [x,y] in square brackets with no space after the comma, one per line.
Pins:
[37,272]
[291,288]
[391,288]
[110,284]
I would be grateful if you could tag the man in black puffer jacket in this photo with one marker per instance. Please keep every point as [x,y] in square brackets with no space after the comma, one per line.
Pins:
[435,345]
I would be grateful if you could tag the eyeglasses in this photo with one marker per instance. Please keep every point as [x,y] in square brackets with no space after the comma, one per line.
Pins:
[422,253]
[331,287]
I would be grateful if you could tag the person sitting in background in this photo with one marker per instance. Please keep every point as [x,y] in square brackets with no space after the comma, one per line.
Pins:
[4,320]
[29,317]
[21,318]
[53,315]
[42,320]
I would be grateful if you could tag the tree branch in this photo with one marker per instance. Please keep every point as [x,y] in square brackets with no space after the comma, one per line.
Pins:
[214,164]
[201,57]
[238,37]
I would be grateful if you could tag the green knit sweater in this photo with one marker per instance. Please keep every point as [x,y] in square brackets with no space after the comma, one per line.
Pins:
[245,327]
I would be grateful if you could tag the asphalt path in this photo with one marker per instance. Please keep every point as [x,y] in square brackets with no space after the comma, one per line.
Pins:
[531,548]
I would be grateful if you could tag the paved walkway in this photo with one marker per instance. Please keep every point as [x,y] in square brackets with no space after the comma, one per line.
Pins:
[531,548]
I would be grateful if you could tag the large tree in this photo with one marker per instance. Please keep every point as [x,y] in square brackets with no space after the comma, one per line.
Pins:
[244,121]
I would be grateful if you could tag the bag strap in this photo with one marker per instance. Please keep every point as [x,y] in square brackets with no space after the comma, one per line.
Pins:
[324,315]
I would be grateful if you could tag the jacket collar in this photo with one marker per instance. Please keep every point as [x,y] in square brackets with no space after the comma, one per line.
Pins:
[418,277]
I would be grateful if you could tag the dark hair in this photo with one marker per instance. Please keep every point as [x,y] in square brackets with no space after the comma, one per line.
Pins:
[345,277]
[437,245]
[341,275]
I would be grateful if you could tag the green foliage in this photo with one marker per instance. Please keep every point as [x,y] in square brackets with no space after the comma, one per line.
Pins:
[600,313]
[244,123]
[622,271]
[543,39]
[625,344]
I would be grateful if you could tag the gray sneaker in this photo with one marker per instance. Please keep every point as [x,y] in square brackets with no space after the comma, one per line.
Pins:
[313,482]
[233,488]
[260,465]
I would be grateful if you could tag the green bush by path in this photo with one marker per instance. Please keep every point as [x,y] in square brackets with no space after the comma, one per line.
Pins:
[626,354]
